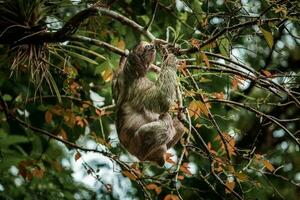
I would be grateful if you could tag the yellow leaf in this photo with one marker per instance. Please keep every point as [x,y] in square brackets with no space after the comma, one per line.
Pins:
[107,75]
[205,58]
[198,125]
[230,186]
[63,134]
[241,176]
[193,109]
[204,80]
[77,156]
[86,104]
[48,117]
[129,175]
[171,197]
[268,165]
[121,44]
[196,108]
[268,36]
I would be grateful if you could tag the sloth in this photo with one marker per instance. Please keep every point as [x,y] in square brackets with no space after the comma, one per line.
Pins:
[144,126]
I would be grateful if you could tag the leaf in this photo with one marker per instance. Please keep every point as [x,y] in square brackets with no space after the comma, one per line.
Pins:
[77,156]
[63,134]
[205,58]
[77,55]
[129,175]
[171,197]
[48,117]
[12,139]
[55,88]
[241,176]
[266,73]
[195,42]
[107,75]
[154,187]
[185,168]
[180,177]
[57,166]
[268,36]
[39,173]
[224,47]
[234,84]
[219,95]
[182,67]
[168,158]
[82,49]
[230,186]
[81,121]
[268,165]
[121,44]
[204,80]
[86,104]
[196,108]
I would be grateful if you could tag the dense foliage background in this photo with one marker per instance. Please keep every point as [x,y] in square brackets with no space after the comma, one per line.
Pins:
[239,86]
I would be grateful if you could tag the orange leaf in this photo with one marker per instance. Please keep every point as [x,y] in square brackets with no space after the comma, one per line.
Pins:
[266,73]
[100,112]
[185,168]
[77,156]
[171,197]
[168,158]
[268,165]
[180,177]
[154,187]
[234,84]
[230,186]
[219,95]
[80,121]
[195,42]
[182,67]
[129,175]
[48,117]
[196,108]
[39,173]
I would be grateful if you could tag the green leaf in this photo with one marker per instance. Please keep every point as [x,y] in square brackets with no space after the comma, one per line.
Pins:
[224,47]
[268,36]
[86,50]
[13,139]
[77,55]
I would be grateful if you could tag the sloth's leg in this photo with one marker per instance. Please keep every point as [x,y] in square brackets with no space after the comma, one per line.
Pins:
[152,138]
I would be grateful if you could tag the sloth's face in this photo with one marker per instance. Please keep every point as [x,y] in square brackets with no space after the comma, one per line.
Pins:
[147,52]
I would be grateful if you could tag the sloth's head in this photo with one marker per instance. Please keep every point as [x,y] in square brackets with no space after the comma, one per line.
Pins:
[146,51]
